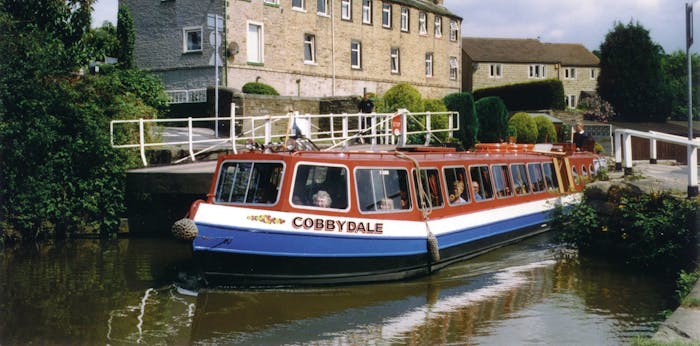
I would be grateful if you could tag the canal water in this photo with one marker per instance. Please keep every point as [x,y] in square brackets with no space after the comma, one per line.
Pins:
[121,292]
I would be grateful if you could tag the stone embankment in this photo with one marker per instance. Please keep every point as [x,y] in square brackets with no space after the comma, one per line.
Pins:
[683,326]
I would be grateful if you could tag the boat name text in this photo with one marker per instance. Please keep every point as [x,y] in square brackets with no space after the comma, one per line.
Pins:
[308,223]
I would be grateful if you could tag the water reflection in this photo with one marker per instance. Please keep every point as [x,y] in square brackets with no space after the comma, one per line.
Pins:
[120,292]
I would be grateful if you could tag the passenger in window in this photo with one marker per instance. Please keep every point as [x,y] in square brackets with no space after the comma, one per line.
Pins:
[405,204]
[322,199]
[386,204]
[475,189]
[456,195]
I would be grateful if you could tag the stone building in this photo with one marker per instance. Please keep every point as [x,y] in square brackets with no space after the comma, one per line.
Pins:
[489,62]
[302,47]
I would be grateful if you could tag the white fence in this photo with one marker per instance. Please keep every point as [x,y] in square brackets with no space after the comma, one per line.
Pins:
[327,130]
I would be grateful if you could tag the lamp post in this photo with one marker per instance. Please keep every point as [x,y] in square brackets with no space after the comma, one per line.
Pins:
[692,151]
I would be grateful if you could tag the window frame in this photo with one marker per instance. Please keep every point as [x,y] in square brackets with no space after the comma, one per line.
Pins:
[454,68]
[437,26]
[526,186]
[429,64]
[537,71]
[326,8]
[386,15]
[454,30]
[485,185]
[221,180]
[550,167]
[449,181]
[367,12]
[540,185]
[422,23]
[593,73]
[309,204]
[496,71]
[301,8]
[570,73]
[261,42]
[395,60]
[185,38]
[396,208]
[571,101]
[405,19]
[312,48]
[346,10]
[505,191]
[356,52]
[418,177]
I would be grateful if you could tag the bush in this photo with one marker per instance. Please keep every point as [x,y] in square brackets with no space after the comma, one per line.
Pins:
[259,89]
[437,121]
[525,127]
[546,132]
[463,103]
[493,119]
[596,109]
[546,94]
[403,95]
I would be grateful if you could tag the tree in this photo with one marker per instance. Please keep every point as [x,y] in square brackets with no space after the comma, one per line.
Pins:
[546,132]
[463,103]
[493,119]
[631,77]
[403,95]
[525,126]
[103,41]
[125,37]
[676,71]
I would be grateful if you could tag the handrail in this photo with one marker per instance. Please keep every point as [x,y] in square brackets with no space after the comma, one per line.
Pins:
[321,128]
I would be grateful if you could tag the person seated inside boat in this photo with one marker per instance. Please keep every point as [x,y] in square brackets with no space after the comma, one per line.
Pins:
[475,189]
[386,204]
[456,195]
[322,199]
[405,203]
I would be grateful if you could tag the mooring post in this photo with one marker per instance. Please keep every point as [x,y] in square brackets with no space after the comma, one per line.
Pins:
[618,151]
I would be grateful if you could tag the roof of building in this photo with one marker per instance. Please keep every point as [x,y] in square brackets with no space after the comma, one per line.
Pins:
[428,5]
[518,50]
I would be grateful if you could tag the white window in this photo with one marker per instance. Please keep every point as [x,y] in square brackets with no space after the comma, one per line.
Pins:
[309,49]
[593,73]
[571,101]
[298,5]
[255,42]
[428,64]
[322,7]
[192,39]
[438,26]
[537,71]
[386,15]
[454,30]
[422,23]
[454,68]
[495,71]
[395,60]
[367,11]
[272,2]
[345,9]
[570,73]
[404,19]
[356,55]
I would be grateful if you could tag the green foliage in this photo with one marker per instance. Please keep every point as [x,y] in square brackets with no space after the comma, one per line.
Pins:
[463,103]
[493,119]
[259,89]
[646,231]
[631,76]
[437,121]
[525,126]
[675,70]
[125,37]
[685,283]
[545,94]
[59,173]
[103,42]
[546,132]
[403,95]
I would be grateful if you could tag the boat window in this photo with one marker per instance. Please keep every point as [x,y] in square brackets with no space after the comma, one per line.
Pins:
[536,177]
[520,181]
[320,186]
[576,177]
[501,179]
[592,170]
[381,189]
[584,172]
[249,182]
[455,182]
[480,182]
[550,177]
[430,181]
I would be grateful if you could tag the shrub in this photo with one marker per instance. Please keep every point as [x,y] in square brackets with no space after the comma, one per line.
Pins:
[596,109]
[403,95]
[546,132]
[493,119]
[463,103]
[526,127]
[439,121]
[259,89]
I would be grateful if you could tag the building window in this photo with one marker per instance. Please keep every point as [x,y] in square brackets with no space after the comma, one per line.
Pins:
[386,15]
[404,19]
[309,49]
[438,26]
[192,39]
[345,9]
[537,71]
[272,2]
[570,73]
[428,64]
[454,30]
[395,60]
[255,42]
[422,23]
[593,73]
[367,11]
[298,5]
[454,68]
[495,71]
[356,55]
[322,7]
[571,101]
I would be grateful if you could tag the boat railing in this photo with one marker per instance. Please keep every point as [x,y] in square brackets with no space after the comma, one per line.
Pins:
[328,131]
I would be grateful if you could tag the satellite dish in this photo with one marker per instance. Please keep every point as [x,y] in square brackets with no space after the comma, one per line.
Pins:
[232,49]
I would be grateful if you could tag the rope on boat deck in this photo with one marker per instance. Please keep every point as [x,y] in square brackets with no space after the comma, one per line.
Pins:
[432,244]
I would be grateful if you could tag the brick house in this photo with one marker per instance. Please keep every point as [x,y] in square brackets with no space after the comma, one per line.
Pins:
[301,47]
[489,62]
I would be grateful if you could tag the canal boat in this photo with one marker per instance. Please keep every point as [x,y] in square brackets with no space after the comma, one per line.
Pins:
[275,216]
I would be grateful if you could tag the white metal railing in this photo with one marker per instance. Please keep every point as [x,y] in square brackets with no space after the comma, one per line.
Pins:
[187,96]
[623,156]
[327,130]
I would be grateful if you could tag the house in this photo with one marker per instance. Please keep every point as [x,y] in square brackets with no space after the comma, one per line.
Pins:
[490,62]
[301,47]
